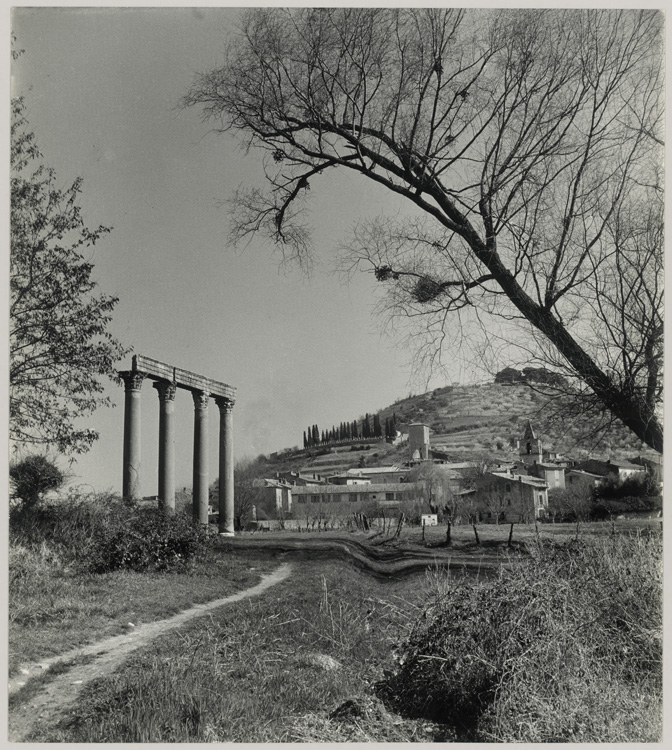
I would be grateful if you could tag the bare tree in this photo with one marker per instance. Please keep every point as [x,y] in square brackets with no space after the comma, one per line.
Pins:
[528,146]
[246,492]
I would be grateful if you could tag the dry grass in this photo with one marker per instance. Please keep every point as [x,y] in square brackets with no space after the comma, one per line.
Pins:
[54,607]
[276,668]
[565,648]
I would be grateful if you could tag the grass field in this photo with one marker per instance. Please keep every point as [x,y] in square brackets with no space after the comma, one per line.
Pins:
[54,608]
[268,669]
[302,662]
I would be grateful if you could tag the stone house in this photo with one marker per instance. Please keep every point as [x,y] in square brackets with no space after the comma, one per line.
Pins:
[552,473]
[616,469]
[510,497]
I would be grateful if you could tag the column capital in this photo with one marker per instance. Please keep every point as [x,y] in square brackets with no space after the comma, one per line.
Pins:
[201,399]
[166,390]
[132,379]
[224,404]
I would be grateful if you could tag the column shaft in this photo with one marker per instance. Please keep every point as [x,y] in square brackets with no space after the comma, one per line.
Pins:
[132,434]
[226,497]
[200,476]
[166,392]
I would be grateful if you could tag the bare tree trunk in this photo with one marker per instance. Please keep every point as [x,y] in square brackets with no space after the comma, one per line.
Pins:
[478,541]
[508,544]
[448,539]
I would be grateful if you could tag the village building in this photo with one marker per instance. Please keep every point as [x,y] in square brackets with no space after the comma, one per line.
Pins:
[513,497]
[380,474]
[354,498]
[615,469]
[580,481]
[300,478]
[552,473]
[418,442]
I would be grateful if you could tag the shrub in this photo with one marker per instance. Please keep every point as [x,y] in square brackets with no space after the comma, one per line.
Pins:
[564,647]
[642,485]
[32,477]
[143,539]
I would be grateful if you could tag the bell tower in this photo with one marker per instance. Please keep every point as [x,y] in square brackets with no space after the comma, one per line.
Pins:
[530,450]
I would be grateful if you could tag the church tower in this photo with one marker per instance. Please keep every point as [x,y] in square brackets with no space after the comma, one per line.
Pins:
[530,449]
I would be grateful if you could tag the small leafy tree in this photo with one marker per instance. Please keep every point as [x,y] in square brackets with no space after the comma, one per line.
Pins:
[60,345]
[32,477]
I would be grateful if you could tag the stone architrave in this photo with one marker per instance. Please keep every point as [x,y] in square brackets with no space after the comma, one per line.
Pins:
[226,497]
[200,476]
[166,391]
[131,461]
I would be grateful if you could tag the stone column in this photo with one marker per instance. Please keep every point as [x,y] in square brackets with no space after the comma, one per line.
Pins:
[200,478]
[131,469]
[225,465]
[166,391]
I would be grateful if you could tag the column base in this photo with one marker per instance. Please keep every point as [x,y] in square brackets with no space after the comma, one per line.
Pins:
[226,533]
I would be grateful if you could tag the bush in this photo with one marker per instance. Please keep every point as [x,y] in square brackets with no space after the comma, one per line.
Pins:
[564,647]
[611,488]
[143,539]
[32,477]
[103,533]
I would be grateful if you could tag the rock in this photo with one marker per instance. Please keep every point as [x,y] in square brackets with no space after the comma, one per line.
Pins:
[323,661]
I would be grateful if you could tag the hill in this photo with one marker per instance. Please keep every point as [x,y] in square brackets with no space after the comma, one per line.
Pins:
[467,422]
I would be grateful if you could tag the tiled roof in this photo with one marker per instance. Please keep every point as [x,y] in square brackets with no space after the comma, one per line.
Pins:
[522,478]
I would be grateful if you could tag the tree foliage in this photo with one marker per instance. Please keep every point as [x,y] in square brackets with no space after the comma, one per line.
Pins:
[528,146]
[59,342]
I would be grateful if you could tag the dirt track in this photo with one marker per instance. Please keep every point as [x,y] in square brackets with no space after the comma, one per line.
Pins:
[51,704]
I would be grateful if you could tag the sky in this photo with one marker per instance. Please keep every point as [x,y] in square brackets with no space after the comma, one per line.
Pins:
[102,88]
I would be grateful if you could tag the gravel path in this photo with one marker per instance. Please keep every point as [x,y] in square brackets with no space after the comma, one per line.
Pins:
[51,704]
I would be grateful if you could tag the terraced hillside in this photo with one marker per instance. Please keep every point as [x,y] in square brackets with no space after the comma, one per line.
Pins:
[469,421]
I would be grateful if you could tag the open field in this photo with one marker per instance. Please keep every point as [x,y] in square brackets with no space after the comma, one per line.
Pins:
[53,609]
[268,669]
[317,655]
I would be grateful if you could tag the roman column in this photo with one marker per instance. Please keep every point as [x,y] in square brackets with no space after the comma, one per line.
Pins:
[166,391]
[200,478]
[131,469]
[225,465]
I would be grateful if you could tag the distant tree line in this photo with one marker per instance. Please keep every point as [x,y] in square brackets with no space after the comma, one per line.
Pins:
[510,375]
[370,427]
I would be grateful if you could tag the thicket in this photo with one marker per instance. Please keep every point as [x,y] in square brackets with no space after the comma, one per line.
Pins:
[612,488]
[564,647]
[101,533]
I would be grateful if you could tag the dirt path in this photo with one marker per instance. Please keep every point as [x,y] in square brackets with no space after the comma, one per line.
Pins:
[51,704]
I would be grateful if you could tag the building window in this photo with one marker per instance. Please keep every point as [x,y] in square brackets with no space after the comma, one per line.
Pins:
[354,497]
[541,500]
[314,498]
[508,486]
[301,498]
[389,495]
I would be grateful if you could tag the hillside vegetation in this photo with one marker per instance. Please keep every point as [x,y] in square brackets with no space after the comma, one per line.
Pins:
[468,421]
